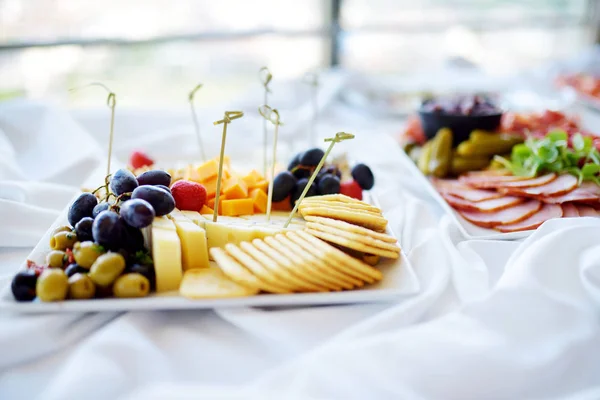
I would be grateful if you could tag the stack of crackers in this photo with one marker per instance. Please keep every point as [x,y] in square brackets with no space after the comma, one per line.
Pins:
[353,225]
[343,238]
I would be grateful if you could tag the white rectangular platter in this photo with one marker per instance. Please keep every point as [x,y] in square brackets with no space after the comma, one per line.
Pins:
[469,230]
[399,281]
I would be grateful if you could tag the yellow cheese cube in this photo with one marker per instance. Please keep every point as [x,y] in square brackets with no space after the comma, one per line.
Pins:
[208,170]
[163,223]
[206,210]
[211,187]
[249,180]
[194,247]
[257,175]
[166,254]
[236,189]
[237,207]
[262,185]
[260,200]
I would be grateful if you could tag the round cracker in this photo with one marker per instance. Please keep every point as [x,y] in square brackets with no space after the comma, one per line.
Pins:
[367,220]
[280,271]
[319,266]
[334,223]
[352,244]
[211,283]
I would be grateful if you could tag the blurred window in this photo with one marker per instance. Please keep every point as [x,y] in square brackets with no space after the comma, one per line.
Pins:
[152,51]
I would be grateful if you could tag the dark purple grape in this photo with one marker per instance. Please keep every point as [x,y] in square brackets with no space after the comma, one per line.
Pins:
[163,187]
[83,229]
[74,268]
[107,230]
[161,200]
[145,270]
[137,213]
[82,207]
[123,181]
[295,161]
[363,176]
[331,169]
[312,157]
[302,172]
[300,185]
[154,177]
[132,239]
[329,184]
[283,184]
[23,285]
[99,208]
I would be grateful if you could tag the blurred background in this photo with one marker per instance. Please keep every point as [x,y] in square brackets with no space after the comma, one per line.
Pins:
[152,52]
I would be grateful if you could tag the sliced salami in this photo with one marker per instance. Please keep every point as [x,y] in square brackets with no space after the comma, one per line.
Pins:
[548,211]
[569,210]
[483,206]
[557,187]
[507,216]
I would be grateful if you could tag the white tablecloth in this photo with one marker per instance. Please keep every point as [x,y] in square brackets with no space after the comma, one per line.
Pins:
[493,319]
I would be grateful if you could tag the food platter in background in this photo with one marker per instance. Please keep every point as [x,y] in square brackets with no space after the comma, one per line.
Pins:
[502,174]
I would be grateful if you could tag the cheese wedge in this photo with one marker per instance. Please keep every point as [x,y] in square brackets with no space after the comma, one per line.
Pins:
[166,254]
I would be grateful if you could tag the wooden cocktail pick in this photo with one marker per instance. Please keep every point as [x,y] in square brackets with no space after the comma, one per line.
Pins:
[272,116]
[265,78]
[195,119]
[228,117]
[340,136]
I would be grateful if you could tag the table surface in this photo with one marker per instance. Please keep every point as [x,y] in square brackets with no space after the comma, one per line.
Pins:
[479,328]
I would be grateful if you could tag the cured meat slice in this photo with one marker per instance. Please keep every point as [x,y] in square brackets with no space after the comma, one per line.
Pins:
[507,216]
[569,210]
[559,186]
[489,180]
[548,211]
[490,173]
[483,206]
[580,195]
[586,211]
[494,183]
[591,187]
[455,188]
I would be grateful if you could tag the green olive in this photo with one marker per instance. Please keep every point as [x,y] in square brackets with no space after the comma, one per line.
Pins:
[81,287]
[56,259]
[86,253]
[131,285]
[64,228]
[63,240]
[52,285]
[107,268]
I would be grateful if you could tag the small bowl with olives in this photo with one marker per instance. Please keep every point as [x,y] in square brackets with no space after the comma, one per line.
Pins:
[461,114]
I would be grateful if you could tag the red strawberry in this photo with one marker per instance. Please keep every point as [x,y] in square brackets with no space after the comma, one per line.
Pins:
[352,189]
[188,195]
[139,159]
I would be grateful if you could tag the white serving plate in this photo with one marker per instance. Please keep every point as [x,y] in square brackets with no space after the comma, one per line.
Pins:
[469,230]
[400,281]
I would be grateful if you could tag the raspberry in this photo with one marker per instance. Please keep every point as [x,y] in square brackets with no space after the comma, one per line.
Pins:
[188,195]
[352,189]
[139,159]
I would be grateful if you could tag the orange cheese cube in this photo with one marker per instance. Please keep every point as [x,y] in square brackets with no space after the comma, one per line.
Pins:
[283,205]
[207,171]
[211,203]
[260,200]
[237,207]
[262,185]
[236,189]
[206,210]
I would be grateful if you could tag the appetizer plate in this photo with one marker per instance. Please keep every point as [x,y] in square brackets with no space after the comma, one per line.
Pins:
[469,230]
[399,281]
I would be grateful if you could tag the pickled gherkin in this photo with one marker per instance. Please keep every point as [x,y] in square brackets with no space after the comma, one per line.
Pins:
[483,143]
[440,159]
[460,164]
[423,162]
